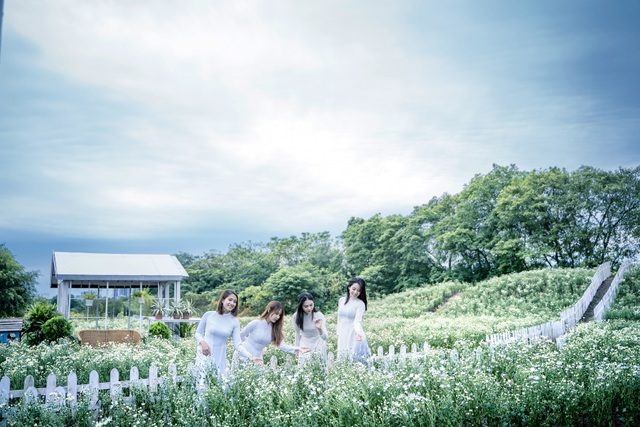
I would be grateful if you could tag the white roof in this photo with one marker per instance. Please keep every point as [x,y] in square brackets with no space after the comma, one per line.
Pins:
[91,267]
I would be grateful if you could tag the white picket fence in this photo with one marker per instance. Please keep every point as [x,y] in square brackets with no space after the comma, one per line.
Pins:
[571,316]
[55,395]
[609,297]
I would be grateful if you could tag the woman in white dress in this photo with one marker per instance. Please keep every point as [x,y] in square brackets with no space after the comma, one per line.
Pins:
[265,330]
[213,332]
[351,308]
[310,328]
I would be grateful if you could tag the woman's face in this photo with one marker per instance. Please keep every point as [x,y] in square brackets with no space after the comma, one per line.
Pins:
[229,303]
[307,306]
[354,290]
[274,316]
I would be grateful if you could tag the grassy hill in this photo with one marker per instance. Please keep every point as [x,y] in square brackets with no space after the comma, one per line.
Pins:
[445,313]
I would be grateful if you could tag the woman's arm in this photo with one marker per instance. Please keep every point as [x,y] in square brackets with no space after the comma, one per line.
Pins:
[237,341]
[357,322]
[244,333]
[202,327]
[322,329]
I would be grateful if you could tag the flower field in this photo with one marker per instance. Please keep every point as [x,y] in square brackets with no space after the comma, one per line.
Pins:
[592,379]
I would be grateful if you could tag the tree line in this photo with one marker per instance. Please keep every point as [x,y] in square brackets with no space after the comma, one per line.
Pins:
[503,222]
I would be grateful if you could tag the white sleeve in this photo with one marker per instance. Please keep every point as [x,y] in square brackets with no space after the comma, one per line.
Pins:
[237,341]
[323,330]
[202,327]
[357,322]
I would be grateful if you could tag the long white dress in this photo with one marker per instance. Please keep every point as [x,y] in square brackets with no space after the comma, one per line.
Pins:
[255,337]
[310,336]
[215,329]
[349,323]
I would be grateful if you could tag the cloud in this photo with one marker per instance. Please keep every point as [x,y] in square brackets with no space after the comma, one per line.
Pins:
[145,117]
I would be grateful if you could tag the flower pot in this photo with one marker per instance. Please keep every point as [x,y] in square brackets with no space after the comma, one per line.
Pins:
[176,316]
[159,316]
[140,300]
[88,302]
[186,316]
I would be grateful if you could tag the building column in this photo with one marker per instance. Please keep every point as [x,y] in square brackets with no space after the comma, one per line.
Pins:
[63,299]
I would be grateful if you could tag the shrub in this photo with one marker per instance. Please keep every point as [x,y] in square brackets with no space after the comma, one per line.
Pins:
[36,317]
[55,328]
[160,329]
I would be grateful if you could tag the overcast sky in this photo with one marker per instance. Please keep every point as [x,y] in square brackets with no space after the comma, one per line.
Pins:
[158,126]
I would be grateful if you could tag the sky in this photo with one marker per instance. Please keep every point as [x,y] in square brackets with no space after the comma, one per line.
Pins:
[166,126]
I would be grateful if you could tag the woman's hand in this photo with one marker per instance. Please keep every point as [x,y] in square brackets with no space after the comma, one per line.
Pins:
[257,361]
[318,323]
[304,349]
[205,348]
[359,337]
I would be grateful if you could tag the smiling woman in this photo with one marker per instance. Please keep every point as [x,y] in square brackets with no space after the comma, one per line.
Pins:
[265,330]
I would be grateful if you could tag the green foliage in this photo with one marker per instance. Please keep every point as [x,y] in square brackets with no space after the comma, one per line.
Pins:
[545,292]
[289,282]
[186,330]
[56,328]
[592,380]
[626,305]
[35,318]
[159,329]
[202,302]
[17,286]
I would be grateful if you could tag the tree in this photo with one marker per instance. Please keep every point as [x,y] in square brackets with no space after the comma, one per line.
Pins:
[289,282]
[17,286]
[578,219]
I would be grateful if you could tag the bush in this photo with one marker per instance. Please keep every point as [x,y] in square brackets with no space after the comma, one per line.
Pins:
[160,329]
[55,328]
[36,317]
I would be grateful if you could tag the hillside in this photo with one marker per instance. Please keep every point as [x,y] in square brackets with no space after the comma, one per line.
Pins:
[508,302]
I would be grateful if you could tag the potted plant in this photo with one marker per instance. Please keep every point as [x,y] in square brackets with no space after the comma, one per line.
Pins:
[88,298]
[177,309]
[188,309]
[142,296]
[159,308]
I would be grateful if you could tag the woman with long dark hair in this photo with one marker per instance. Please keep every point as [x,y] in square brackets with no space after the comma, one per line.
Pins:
[265,330]
[214,330]
[351,308]
[310,328]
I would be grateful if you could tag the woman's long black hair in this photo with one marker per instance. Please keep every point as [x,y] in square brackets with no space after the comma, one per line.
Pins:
[305,296]
[363,290]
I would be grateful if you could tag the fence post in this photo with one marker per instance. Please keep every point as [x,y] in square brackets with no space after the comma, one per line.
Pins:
[153,378]
[28,382]
[115,385]
[72,391]
[273,362]
[51,386]
[94,386]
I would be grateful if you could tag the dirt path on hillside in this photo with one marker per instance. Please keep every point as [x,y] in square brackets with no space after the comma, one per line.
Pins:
[448,301]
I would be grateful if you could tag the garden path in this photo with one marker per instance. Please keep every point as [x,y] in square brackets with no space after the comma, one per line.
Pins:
[604,287]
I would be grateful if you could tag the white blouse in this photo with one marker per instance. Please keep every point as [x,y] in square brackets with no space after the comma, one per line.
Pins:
[256,336]
[310,336]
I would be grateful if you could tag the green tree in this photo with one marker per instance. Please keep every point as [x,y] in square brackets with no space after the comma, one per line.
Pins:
[289,282]
[573,219]
[17,286]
